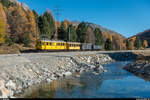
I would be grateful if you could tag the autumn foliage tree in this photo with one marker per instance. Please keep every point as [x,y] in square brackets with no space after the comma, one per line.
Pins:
[117,42]
[18,23]
[32,28]
[145,44]
[2,31]
[3,22]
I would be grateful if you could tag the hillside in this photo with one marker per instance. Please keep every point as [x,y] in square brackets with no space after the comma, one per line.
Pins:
[143,36]
[103,29]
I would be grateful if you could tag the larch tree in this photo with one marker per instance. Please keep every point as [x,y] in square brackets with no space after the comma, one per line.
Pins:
[131,45]
[124,45]
[67,23]
[18,23]
[2,31]
[3,24]
[32,28]
[145,44]
[109,35]
[117,42]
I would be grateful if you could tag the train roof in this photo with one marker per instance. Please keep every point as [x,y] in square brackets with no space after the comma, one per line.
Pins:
[59,41]
[52,41]
[74,42]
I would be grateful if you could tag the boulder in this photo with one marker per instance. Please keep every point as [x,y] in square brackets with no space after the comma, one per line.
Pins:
[67,74]
[11,85]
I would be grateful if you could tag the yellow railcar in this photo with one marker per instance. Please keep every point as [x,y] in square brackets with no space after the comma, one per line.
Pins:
[73,46]
[51,45]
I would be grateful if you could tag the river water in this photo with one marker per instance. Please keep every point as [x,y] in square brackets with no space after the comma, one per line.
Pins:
[115,83]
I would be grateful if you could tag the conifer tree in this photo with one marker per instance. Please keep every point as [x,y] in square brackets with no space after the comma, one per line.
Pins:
[99,40]
[127,44]
[73,34]
[44,27]
[81,32]
[51,24]
[137,43]
[108,44]
[62,32]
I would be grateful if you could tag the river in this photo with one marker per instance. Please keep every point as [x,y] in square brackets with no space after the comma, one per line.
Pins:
[115,83]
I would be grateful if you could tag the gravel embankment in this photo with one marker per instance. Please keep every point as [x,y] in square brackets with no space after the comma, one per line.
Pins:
[18,72]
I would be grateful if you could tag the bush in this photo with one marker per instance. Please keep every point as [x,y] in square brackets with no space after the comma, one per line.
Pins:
[9,41]
[26,41]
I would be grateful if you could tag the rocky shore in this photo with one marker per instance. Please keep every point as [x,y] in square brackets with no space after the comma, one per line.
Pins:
[139,68]
[19,72]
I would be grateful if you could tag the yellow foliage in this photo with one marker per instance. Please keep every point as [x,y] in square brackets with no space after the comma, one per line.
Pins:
[2,32]
[145,44]
[109,36]
[67,23]
[131,45]
[124,46]
[32,25]
[3,21]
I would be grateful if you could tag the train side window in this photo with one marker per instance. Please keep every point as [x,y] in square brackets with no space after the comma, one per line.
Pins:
[43,43]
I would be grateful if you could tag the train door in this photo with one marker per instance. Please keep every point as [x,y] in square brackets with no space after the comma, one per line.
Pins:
[67,46]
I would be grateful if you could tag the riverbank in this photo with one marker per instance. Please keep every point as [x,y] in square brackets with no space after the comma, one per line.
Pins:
[141,65]
[20,71]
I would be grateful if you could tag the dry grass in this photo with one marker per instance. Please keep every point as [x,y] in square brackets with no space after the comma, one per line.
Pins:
[16,48]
